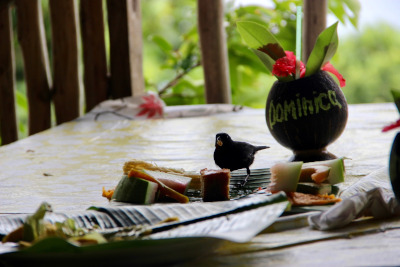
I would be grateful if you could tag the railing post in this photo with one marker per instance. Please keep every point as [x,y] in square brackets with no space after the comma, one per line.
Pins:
[65,59]
[314,22]
[94,52]
[214,51]
[31,37]
[125,47]
[8,118]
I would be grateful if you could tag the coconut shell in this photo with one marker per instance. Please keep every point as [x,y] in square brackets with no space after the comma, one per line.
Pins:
[308,113]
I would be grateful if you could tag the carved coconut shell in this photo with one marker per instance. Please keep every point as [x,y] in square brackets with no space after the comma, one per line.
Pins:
[306,114]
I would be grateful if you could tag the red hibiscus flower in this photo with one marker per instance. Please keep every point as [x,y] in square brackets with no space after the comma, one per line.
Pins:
[286,66]
[391,126]
[330,68]
[151,106]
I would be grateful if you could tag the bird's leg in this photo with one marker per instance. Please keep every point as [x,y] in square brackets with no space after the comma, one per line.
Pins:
[247,176]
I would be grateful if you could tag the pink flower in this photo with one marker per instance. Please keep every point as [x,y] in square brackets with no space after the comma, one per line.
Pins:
[391,126]
[152,105]
[330,68]
[286,66]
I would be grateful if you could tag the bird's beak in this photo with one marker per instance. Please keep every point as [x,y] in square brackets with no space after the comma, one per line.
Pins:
[219,142]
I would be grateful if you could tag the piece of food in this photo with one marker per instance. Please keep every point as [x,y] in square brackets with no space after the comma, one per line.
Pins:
[301,199]
[285,176]
[143,165]
[215,184]
[164,190]
[135,190]
[317,173]
[35,229]
[177,182]
[107,193]
[336,173]
[314,189]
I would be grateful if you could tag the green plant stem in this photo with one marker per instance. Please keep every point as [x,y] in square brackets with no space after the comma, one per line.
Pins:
[175,80]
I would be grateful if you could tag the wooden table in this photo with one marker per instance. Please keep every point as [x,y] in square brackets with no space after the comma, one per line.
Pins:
[68,165]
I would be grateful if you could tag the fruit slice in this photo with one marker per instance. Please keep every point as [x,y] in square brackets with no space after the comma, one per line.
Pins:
[337,172]
[300,199]
[135,190]
[285,176]
[164,190]
[317,174]
[177,182]
[215,184]
[314,189]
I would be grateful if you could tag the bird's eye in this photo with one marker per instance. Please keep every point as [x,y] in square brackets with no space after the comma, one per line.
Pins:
[219,142]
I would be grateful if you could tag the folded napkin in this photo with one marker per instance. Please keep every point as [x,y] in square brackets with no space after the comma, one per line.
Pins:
[372,196]
[151,106]
[376,202]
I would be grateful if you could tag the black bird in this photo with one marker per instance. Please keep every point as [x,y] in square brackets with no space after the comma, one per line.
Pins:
[234,155]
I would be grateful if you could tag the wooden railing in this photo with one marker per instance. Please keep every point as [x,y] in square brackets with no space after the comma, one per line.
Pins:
[125,76]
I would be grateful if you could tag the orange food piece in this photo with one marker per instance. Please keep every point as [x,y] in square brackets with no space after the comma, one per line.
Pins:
[316,174]
[108,193]
[301,199]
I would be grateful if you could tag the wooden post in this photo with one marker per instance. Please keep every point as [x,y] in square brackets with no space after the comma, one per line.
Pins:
[32,39]
[125,48]
[214,51]
[314,22]
[8,119]
[136,48]
[94,52]
[65,59]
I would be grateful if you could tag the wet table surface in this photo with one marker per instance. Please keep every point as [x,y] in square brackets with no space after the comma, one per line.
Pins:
[69,165]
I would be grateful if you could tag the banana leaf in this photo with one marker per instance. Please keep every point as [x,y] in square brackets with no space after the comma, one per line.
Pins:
[202,228]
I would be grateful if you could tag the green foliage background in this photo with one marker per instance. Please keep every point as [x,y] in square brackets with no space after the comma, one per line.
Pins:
[172,59]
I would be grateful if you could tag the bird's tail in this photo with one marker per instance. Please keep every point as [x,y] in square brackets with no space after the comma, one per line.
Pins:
[261,148]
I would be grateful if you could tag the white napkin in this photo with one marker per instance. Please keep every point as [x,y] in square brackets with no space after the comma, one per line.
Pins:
[151,106]
[376,202]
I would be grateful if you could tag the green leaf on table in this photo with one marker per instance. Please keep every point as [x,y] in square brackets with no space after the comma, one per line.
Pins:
[262,41]
[324,49]
[396,98]
[34,226]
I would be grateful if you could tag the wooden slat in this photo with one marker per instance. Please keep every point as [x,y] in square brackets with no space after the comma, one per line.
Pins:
[314,22]
[94,52]
[136,47]
[214,51]
[123,32]
[31,37]
[8,121]
[65,59]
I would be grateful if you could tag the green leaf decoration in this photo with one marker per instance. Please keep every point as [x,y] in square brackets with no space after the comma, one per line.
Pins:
[265,59]
[259,38]
[396,98]
[324,49]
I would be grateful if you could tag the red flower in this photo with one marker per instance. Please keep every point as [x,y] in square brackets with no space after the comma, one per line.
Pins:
[391,126]
[151,106]
[329,67]
[286,66]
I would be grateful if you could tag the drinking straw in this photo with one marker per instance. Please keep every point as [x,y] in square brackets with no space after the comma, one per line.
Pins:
[298,40]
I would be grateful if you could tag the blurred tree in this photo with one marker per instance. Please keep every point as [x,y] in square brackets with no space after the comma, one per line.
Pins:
[374,55]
